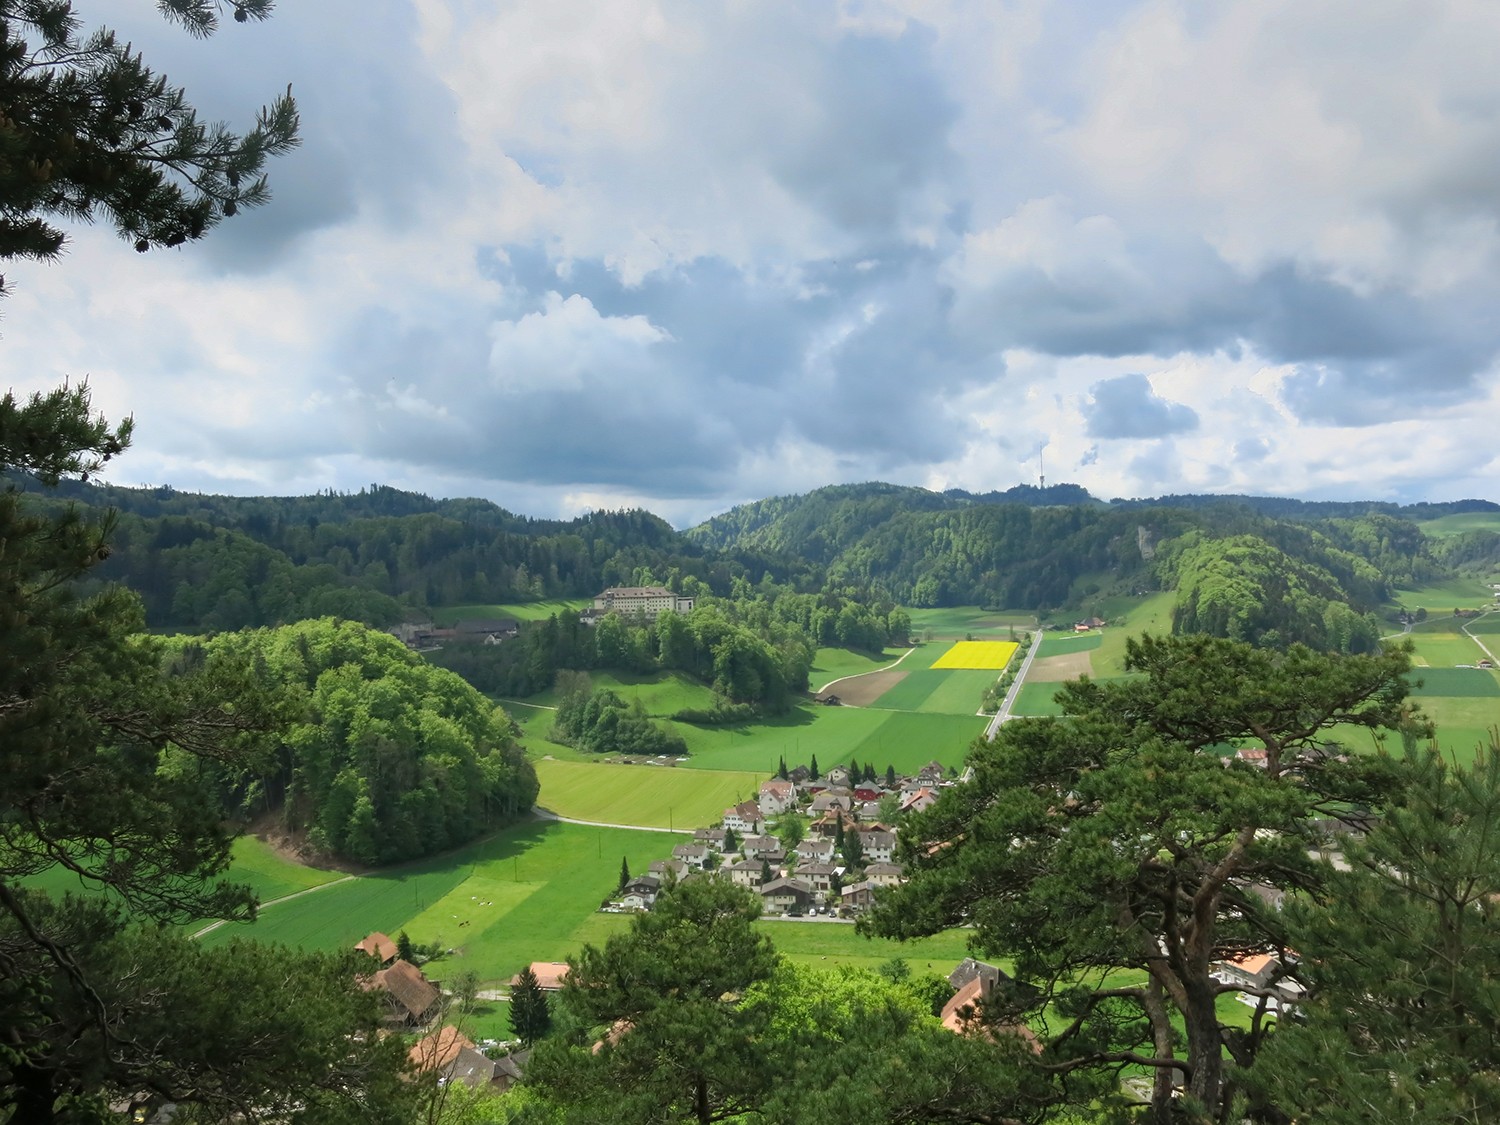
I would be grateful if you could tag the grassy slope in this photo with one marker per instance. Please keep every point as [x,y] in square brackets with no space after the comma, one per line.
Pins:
[521,611]
[1457,524]
[542,882]
[651,796]
[833,663]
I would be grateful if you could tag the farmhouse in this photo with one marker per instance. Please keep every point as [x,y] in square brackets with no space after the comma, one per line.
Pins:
[486,631]
[439,1049]
[410,997]
[647,601]
[380,947]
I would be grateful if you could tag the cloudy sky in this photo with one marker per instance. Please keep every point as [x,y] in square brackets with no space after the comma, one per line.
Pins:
[568,254]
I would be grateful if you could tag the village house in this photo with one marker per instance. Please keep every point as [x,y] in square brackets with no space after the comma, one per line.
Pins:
[827,801]
[744,819]
[858,896]
[693,855]
[712,838]
[755,847]
[922,798]
[411,999]
[645,601]
[819,876]
[838,776]
[786,896]
[744,873]
[878,845]
[640,893]
[815,849]
[1257,974]
[884,874]
[478,1071]
[665,869]
[776,797]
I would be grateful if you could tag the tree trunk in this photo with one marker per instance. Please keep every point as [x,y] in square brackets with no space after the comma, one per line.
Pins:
[1205,1047]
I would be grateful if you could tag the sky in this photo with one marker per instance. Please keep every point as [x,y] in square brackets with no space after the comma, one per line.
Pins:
[568,255]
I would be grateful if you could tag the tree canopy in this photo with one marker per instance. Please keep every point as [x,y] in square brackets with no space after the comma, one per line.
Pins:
[1117,839]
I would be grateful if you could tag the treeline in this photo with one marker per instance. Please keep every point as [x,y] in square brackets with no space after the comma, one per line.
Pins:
[226,562]
[598,720]
[384,757]
[753,647]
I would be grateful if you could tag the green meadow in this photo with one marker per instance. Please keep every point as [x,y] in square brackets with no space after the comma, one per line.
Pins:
[831,664]
[1060,644]
[821,944]
[650,796]
[521,611]
[1444,597]
[529,893]
[1446,526]
[956,622]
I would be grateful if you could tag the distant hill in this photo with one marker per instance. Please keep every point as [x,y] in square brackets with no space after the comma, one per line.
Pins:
[1257,567]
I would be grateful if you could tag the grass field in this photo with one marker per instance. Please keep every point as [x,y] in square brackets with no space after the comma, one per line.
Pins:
[256,863]
[1057,644]
[1444,597]
[954,622]
[1458,683]
[521,611]
[993,655]
[831,664]
[1488,625]
[907,740]
[1141,615]
[650,796]
[1445,526]
[529,893]
[822,944]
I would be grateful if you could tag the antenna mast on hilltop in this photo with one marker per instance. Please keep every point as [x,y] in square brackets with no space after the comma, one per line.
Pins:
[1041,468]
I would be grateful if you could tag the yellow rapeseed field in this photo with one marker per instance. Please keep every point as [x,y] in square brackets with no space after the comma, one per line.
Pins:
[977,654]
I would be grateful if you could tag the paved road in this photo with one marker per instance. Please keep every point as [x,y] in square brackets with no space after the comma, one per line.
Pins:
[548,814]
[1003,714]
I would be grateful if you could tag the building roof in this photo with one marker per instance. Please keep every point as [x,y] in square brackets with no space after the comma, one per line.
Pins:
[378,946]
[439,1049]
[472,1068]
[408,987]
[549,974]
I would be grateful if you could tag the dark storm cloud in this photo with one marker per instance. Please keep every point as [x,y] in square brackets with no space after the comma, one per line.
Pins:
[1127,407]
[377,128]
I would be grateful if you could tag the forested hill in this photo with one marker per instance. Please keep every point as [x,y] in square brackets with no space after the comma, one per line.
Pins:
[1251,568]
[226,562]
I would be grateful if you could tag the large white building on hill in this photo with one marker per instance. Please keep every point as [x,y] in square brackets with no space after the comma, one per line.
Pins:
[648,601]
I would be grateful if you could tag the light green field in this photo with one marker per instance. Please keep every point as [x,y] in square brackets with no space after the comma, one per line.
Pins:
[650,796]
[829,732]
[1142,615]
[521,611]
[1036,700]
[1444,597]
[1458,683]
[1485,626]
[825,944]
[954,622]
[938,691]
[662,693]
[1060,644]
[1446,526]
[542,882]
[909,741]
[831,664]
[256,864]
[1443,649]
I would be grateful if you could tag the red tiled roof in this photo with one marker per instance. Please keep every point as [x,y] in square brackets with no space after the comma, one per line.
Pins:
[438,1049]
[408,987]
[378,946]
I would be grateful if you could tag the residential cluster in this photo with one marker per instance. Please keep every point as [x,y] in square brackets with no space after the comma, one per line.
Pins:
[836,866]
